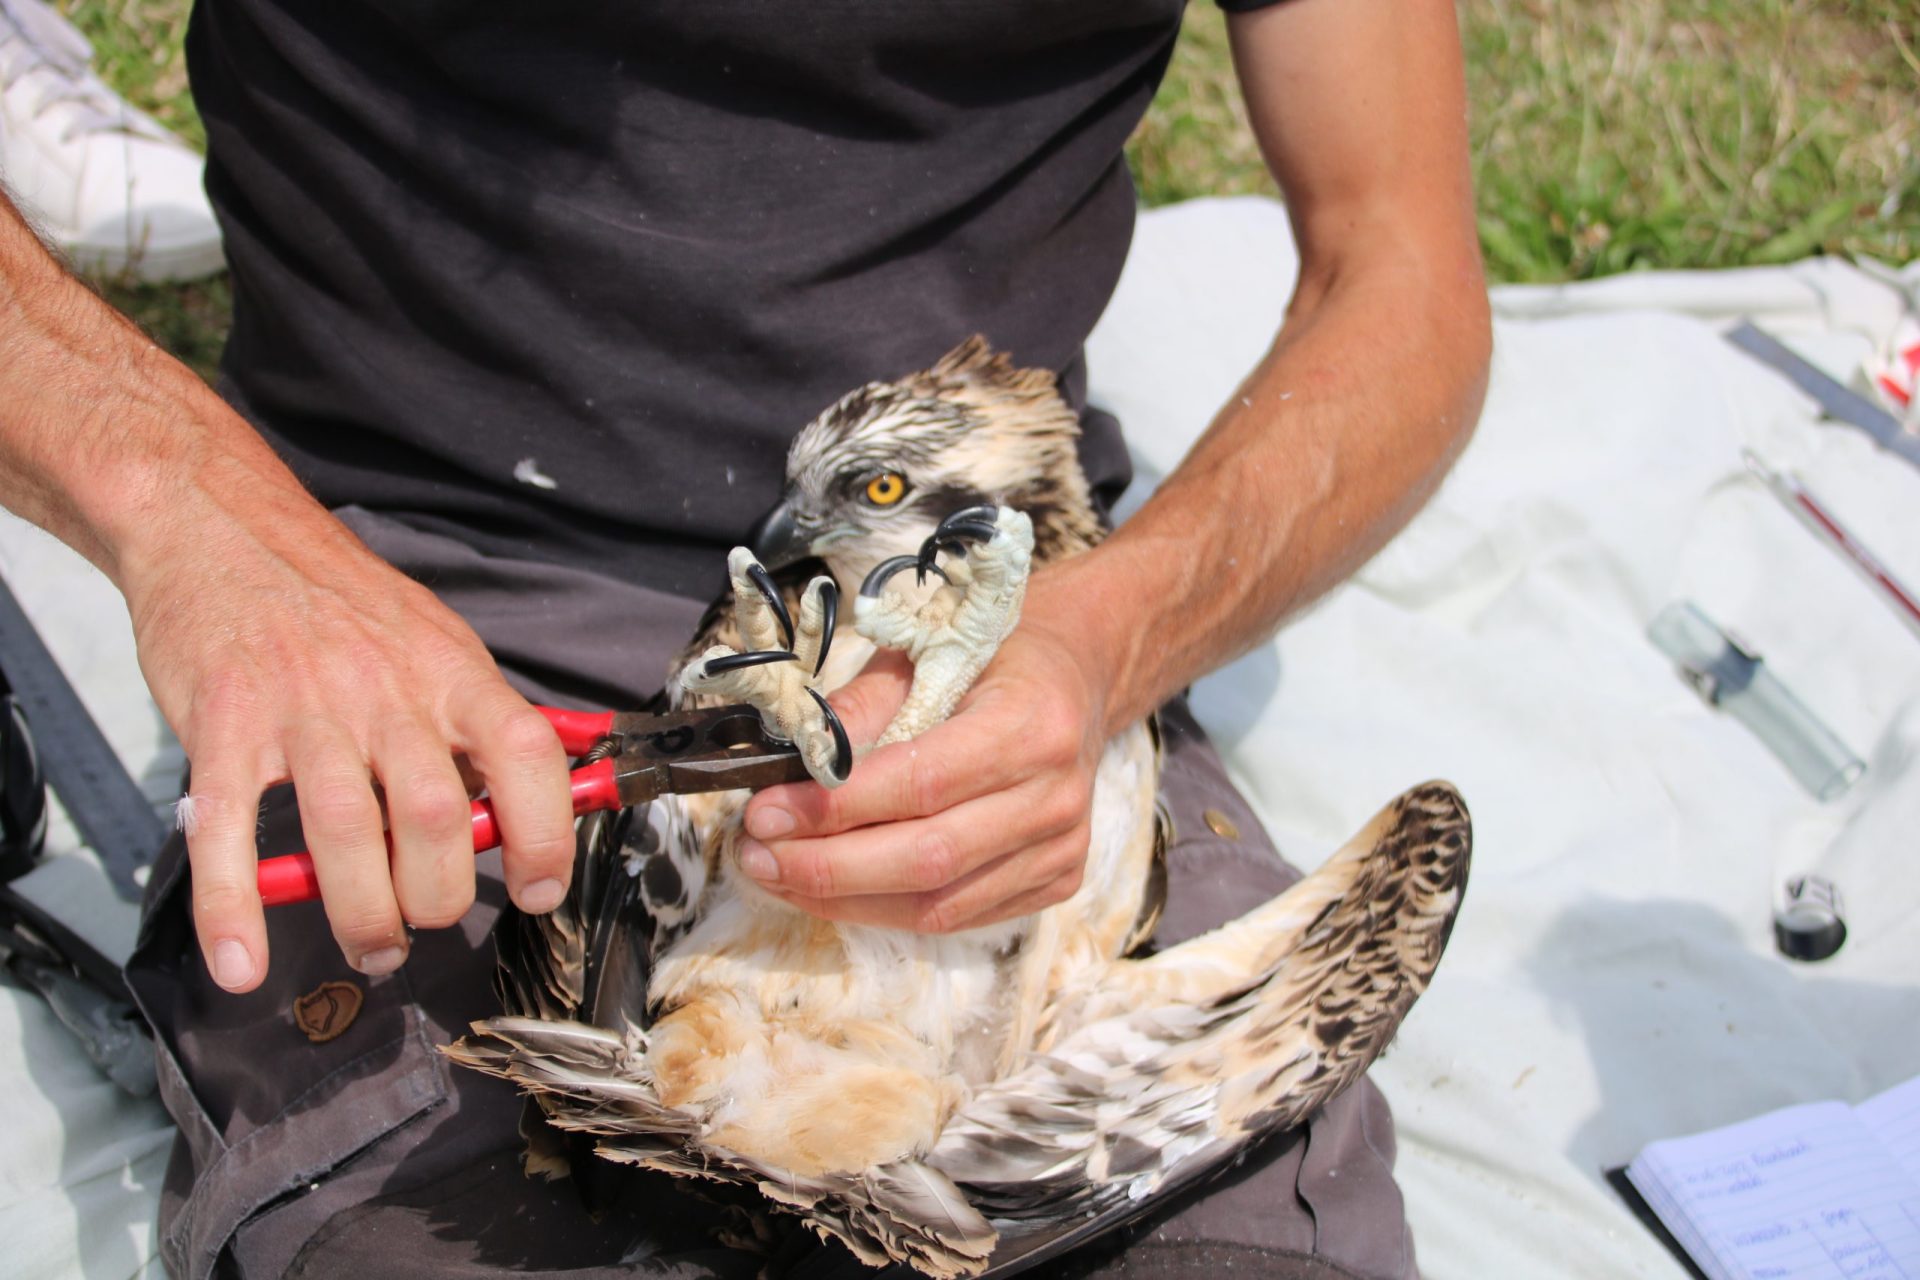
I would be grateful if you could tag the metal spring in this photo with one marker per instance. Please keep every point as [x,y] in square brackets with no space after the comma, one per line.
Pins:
[607,746]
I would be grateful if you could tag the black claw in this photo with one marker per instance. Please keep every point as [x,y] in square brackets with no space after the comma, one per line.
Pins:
[971,515]
[951,534]
[758,575]
[842,748]
[735,661]
[829,617]
[925,563]
[876,580]
[974,523]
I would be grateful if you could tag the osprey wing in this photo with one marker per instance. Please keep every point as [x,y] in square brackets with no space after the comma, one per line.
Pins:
[1178,1061]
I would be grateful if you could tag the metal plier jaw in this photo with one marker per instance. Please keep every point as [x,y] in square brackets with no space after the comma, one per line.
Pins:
[634,757]
[681,752]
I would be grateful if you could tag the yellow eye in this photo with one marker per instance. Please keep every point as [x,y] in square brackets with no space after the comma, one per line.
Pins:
[886,489]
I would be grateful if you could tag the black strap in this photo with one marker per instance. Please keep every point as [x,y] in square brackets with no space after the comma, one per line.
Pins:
[105,804]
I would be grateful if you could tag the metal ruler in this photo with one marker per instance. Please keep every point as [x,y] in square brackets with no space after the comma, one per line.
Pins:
[1838,401]
[113,818]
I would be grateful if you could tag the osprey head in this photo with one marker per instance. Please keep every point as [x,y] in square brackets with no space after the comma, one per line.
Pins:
[875,474]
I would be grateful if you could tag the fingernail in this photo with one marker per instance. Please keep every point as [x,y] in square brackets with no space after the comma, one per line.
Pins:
[542,896]
[769,822]
[379,963]
[232,964]
[757,861]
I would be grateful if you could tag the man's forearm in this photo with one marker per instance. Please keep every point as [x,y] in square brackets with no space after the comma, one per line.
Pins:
[1326,450]
[107,441]
[73,374]
[1375,381]
[276,645]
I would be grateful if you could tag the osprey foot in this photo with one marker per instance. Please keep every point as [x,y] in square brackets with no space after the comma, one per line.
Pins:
[778,682]
[952,636]
[972,524]
[756,620]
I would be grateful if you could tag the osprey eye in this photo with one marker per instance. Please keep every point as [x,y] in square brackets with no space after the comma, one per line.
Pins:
[886,489]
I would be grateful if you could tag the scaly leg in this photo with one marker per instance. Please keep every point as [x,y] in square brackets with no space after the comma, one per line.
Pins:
[953,636]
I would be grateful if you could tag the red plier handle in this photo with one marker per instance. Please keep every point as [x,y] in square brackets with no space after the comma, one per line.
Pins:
[709,749]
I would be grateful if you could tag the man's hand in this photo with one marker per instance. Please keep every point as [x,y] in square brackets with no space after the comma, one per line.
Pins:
[318,663]
[982,818]
[277,646]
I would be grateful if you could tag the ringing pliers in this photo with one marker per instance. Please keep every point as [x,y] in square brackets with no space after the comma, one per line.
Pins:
[633,757]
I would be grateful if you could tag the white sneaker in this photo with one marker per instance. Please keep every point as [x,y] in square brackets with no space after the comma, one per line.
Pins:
[117,193]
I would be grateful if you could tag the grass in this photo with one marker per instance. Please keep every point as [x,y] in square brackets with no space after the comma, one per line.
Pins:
[1614,135]
[1195,140]
[1608,135]
[1693,133]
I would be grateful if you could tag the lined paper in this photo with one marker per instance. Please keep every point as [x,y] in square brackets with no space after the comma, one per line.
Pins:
[1894,1118]
[1806,1193]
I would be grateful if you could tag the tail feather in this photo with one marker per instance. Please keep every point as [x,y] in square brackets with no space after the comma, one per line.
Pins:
[585,1078]
[596,1081]
[901,1212]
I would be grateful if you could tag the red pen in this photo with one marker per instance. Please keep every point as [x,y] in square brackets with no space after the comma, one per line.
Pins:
[1821,521]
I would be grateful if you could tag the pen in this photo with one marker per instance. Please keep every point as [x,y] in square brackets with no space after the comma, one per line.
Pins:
[1821,521]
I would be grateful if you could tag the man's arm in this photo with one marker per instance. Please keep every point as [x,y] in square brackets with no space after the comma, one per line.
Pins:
[1329,447]
[276,645]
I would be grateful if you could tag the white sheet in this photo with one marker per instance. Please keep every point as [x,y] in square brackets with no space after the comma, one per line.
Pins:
[1612,979]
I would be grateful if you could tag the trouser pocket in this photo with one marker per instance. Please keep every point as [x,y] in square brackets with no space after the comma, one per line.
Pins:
[275,1088]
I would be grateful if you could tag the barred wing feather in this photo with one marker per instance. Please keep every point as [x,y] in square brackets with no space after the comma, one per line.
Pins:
[1146,1093]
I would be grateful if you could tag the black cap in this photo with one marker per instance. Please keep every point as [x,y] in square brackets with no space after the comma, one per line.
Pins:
[1809,926]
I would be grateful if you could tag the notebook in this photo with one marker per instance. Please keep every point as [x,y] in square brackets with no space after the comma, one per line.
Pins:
[1805,1193]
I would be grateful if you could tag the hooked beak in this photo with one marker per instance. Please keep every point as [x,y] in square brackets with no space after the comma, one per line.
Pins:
[778,540]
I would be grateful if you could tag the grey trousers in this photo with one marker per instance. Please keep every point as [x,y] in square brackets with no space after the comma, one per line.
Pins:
[323,1135]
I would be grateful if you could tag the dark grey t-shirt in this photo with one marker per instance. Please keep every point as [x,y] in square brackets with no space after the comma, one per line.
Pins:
[627,248]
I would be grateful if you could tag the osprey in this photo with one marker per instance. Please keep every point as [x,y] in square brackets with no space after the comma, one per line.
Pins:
[943,1101]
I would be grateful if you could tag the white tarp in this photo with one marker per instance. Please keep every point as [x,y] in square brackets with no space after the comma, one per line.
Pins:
[1613,978]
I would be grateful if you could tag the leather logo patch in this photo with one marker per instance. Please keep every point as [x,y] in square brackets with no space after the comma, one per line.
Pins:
[1221,824]
[327,1010]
